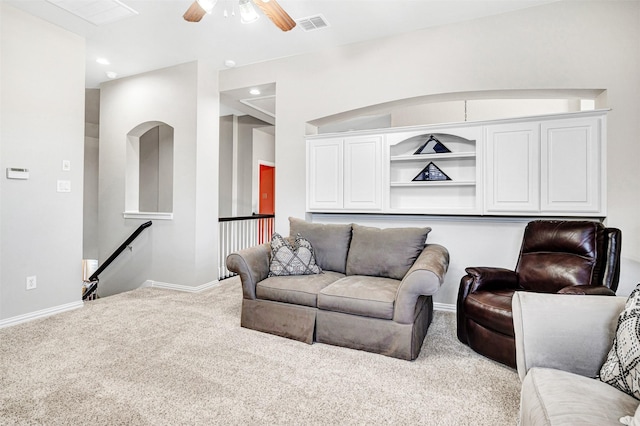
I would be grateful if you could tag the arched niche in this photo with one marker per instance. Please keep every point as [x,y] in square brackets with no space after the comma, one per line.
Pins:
[149,172]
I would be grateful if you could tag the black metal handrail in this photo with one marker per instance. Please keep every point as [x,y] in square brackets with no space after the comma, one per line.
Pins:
[253,216]
[93,279]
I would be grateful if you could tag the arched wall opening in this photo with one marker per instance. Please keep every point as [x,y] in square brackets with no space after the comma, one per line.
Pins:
[149,170]
[460,107]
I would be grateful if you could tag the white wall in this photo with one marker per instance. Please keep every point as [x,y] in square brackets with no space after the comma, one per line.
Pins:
[41,124]
[91,170]
[225,175]
[590,45]
[264,152]
[181,252]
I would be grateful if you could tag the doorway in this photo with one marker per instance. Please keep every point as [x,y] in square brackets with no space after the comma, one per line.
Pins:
[266,202]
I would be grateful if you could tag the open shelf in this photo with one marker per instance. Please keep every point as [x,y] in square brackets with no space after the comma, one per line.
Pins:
[457,194]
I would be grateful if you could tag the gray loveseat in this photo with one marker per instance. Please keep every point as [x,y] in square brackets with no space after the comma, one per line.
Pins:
[374,293]
[561,343]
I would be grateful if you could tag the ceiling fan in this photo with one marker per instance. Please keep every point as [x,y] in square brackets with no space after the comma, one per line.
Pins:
[271,8]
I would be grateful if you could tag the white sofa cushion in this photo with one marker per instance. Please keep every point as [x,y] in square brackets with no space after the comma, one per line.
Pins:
[553,397]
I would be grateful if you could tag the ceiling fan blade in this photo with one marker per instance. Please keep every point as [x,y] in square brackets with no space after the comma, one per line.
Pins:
[194,13]
[276,13]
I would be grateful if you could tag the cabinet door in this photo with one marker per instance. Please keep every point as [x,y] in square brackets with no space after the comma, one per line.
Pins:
[363,173]
[324,174]
[512,168]
[570,165]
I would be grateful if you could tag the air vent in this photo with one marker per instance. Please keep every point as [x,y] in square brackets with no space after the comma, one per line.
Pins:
[312,23]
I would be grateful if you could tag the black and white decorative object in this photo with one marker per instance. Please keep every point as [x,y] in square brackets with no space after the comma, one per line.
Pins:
[297,258]
[432,146]
[431,173]
[621,369]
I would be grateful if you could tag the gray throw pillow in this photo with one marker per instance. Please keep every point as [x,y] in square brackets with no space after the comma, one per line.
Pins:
[386,252]
[330,242]
[292,259]
[622,366]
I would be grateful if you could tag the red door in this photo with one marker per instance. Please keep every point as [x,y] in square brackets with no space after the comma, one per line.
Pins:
[267,189]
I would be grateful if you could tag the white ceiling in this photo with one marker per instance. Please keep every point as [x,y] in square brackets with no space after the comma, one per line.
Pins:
[158,37]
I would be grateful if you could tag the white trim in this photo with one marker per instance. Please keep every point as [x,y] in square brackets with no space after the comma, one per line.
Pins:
[40,314]
[180,287]
[446,307]
[148,215]
[248,102]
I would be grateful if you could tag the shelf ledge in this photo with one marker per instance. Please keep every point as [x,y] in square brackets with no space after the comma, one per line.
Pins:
[422,157]
[435,183]
[148,215]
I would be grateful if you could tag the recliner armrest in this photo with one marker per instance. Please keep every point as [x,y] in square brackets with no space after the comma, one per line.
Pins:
[567,332]
[424,278]
[252,264]
[598,290]
[485,278]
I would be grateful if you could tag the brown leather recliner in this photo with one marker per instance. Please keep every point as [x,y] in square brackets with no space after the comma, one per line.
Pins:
[565,257]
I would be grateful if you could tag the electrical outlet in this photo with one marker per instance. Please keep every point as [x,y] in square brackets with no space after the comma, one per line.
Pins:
[31,282]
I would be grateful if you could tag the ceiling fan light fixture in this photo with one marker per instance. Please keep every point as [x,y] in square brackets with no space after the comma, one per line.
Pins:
[207,5]
[247,13]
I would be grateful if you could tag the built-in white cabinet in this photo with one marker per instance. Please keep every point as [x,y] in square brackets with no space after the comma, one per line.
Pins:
[512,158]
[546,167]
[345,174]
[536,166]
[571,168]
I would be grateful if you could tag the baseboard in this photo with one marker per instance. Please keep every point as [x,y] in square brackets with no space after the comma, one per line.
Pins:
[40,314]
[180,287]
[447,307]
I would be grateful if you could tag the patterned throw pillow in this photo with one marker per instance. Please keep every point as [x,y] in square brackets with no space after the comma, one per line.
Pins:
[622,367]
[292,259]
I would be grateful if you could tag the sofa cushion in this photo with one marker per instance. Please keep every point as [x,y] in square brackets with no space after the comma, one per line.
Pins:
[295,289]
[295,258]
[556,397]
[360,295]
[621,369]
[330,242]
[386,252]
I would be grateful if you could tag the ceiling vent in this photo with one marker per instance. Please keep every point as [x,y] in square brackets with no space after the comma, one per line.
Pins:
[312,23]
[98,12]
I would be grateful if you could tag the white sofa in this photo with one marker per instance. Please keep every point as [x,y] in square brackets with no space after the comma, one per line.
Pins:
[561,343]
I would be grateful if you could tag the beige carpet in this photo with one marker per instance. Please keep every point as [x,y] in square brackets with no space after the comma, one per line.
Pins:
[159,357]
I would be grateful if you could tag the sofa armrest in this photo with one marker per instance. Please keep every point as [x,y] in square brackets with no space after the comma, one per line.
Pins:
[424,278]
[487,278]
[252,264]
[567,332]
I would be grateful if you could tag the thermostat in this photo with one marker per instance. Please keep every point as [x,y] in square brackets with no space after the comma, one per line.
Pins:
[16,173]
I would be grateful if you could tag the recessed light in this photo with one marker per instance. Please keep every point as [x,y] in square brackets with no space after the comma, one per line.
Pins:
[111,74]
[103,61]
[229,63]
[254,91]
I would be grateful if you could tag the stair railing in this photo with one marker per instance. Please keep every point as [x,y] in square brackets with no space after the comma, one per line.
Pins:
[93,279]
[237,233]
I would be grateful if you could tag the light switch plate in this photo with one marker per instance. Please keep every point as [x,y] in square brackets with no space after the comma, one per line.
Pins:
[66,165]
